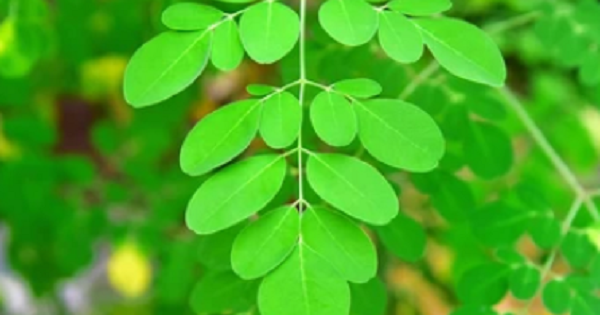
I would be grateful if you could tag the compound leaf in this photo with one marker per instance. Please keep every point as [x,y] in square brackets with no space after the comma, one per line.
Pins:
[264,244]
[333,119]
[400,134]
[341,242]
[524,282]
[350,22]
[361,88]
[227,50]
[304,284]
[557,296]
[400,38]
[281,120]
[269,31]
[235,193]
[165,66]
[189,16]
[219,137]
[353,187]
[464,50]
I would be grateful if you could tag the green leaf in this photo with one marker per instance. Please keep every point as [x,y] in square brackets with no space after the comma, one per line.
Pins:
[369,298]
[334,119]
[227,50]
[399,37]
[165,66]
[281,120]
[484,284]
[305,284]
[361,88]
[578,249]
[488,150]
[400,134]
[404,237]
[341,242]
[557,296]
[214,251]
[235,193]
[219,137]
[585,305]
[595,271]
[545,231]
[350,22]
[260,89]
[524,282]
[464,50]
[420,7]
[189,16]
[353,187]
[497,224]
[264,244]
[269,31]
[214,292]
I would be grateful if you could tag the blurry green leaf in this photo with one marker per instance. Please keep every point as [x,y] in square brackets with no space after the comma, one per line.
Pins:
[189,16]
[214,292]
[341,242]
[333,119]
[464,50]
[350,22]
[353,187]
[524,282]
[304,284]
[369,298]
[265,243]
[361,88]
[404,237]
[498,224]
[235,193]
[399,37]
[227,49]
[214,251]
[420,7]
[585,305]
[269,30]
[545,231]
[219,137]
[557,296]
[578,249]
[281,120]
[165,66]
[400,134]
[484,284]
[488,150]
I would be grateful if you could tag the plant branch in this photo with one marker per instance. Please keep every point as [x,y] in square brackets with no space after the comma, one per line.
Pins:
[302,99]
[513,22]
[559,164]
[427,72]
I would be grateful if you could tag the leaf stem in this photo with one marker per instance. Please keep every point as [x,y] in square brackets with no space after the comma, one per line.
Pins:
[428,71]
[559,164]
[547,268]
[303,82]
[513,22]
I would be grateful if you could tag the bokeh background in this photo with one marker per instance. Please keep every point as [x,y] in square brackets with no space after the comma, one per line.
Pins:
[91,194]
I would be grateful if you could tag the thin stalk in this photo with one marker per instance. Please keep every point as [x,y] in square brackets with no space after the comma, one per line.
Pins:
[559,164]
[302,80]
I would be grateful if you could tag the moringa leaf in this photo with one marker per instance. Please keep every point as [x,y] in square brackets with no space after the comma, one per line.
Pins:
[235,193]
[189,16]
[281,120]
[165,66]
[219,137]
[353,187]
[269,31]
[333,119]
[227,49]
[350,22]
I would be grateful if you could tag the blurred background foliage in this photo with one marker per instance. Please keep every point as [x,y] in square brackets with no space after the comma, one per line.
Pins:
[92,198]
